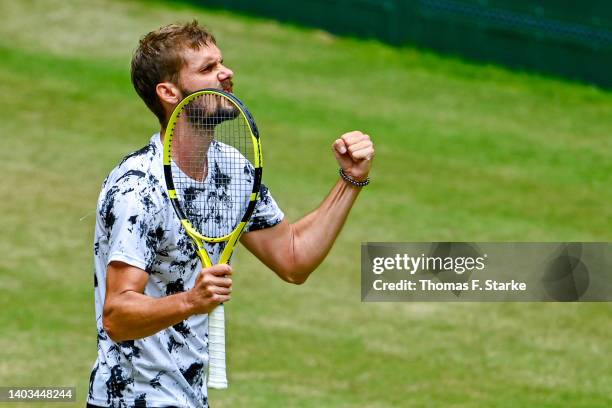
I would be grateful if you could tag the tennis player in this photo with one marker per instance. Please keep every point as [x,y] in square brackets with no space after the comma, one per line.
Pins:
[152,295]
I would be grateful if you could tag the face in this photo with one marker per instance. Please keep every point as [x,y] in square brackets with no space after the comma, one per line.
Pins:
[203,68]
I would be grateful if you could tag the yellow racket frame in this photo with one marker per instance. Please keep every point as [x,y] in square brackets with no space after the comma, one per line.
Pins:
[233,237]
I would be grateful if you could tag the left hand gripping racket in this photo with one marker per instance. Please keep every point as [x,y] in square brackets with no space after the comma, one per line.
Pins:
[212,166]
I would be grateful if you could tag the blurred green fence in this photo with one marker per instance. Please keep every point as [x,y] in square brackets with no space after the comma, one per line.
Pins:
[568,38]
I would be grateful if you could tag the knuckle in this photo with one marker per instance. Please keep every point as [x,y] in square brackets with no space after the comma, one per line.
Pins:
[219,270]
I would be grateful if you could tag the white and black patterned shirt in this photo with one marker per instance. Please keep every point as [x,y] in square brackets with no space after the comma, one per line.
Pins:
[136,224]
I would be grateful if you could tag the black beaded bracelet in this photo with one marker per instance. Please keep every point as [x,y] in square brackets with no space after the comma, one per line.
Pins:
[354,182]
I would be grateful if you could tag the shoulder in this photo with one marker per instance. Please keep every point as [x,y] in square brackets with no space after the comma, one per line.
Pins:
[145,154]
[138,177]
[140,167]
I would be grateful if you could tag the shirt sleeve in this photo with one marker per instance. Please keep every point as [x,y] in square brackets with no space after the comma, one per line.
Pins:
[267,213]
[131,217]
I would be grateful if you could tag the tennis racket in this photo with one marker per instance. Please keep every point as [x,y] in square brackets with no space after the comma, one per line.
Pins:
[212,166]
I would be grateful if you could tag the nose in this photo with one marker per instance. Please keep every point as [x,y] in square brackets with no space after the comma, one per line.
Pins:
[224,74]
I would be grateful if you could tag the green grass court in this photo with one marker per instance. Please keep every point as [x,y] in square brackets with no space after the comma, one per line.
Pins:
[465,152]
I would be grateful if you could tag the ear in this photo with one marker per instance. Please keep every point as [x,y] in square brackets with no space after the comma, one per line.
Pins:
[168,93]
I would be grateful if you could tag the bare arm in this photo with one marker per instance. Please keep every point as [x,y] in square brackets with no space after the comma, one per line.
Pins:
[129,314]
[294,250]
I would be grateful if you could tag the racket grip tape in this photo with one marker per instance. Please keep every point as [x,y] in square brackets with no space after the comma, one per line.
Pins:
[217,375]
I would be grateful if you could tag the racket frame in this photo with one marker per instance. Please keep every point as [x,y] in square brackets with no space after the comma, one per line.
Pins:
[217,376]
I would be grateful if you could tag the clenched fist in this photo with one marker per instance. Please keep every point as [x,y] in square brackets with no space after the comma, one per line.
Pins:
[354,152]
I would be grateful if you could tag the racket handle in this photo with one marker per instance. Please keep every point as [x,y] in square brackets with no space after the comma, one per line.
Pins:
[217,375]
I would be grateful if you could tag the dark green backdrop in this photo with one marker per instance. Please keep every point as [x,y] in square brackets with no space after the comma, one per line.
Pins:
[568,38]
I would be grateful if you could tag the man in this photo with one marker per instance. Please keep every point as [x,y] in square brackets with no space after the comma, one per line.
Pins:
[152,294]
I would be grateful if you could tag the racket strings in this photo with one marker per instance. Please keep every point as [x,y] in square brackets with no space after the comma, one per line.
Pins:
[212,167]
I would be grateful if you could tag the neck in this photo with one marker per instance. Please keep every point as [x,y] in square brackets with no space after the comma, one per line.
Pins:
[190,153]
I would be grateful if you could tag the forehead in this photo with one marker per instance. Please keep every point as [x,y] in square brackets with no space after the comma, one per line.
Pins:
[194,58]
